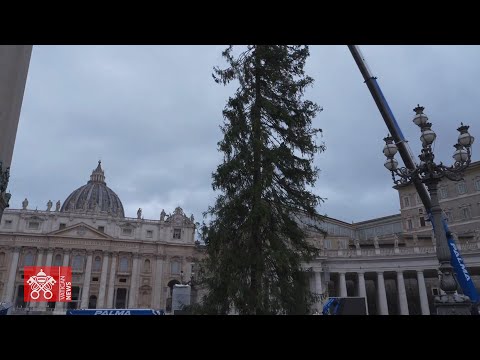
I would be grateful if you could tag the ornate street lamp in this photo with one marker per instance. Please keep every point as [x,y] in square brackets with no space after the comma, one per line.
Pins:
[431,173]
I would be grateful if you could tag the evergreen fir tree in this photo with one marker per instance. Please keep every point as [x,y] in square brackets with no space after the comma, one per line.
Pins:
[257,238]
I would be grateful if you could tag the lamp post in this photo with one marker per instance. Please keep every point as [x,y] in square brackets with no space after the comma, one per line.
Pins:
[431,173]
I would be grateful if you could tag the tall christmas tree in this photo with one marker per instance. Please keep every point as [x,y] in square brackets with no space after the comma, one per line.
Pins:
[257,239]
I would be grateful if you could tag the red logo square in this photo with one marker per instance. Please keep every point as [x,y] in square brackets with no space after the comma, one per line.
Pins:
[47,283]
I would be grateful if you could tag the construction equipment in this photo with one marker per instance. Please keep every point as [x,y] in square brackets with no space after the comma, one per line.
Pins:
[463,277]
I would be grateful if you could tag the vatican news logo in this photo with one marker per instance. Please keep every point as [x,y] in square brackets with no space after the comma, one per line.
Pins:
[47,283]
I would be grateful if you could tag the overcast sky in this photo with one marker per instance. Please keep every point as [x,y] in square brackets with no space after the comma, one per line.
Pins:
[152,115]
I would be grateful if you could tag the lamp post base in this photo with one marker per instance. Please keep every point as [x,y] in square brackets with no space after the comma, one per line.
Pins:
[453,304]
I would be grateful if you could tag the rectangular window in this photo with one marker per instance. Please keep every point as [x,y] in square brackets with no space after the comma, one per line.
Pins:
[462,188]
[127,231]
[62,226]
[422,221]
[19,302]
[466,213]
[448,214]
[33,225]
[443,193]
[409,224]
[477,184]
[177,233]
[327,244]
[75,298]
[406,201]
[95,279]
[77,262]
[121,299]
[101,228]
[122,280]
[175,268]
[149,233]
[8,224]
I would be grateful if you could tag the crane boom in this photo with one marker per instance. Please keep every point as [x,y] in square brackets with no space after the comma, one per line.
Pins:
[392,125]
[457,262]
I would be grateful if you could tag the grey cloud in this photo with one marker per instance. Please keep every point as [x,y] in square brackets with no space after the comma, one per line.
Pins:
[152,114]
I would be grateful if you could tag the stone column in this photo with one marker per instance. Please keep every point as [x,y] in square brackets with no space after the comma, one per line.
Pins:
[416,249]
[86,281]
[10,290]
[132,296]
[311,280]
[42,306]
[157,289]
[39,257]
[14,63]
[188,269]
[48,261]
[343,285]
[38,263]
[382,295]
[402,294]
[318,282]
[362,290]
[422,290]
[103,281]
[318,289]
[60,305]
[111,281]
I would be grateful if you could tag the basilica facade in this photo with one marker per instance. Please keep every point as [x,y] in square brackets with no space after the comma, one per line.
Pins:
[116,261]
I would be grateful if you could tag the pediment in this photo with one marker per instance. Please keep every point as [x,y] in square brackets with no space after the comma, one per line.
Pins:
[80,230]
[179,218]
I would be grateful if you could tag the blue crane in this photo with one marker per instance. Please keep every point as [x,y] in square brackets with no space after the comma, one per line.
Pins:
[463,277]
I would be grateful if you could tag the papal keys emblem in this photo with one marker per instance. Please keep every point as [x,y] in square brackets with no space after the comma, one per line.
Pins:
[41,282]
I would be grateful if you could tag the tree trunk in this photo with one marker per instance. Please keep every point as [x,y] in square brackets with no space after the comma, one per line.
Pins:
[256,249]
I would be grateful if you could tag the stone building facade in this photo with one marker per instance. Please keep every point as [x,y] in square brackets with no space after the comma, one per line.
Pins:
[117,261]
[392,260]
[121,262]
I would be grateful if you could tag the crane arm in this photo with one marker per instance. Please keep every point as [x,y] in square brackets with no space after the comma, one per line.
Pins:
[457,262]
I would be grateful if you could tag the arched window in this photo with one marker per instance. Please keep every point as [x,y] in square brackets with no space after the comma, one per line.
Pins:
[77,263]
[123,265]
[170,285]
[97,264]
[2,258]
[58,260]
[146,266]
[28,260]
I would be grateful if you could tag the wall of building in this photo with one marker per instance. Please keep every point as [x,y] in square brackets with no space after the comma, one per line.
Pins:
[144,260]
